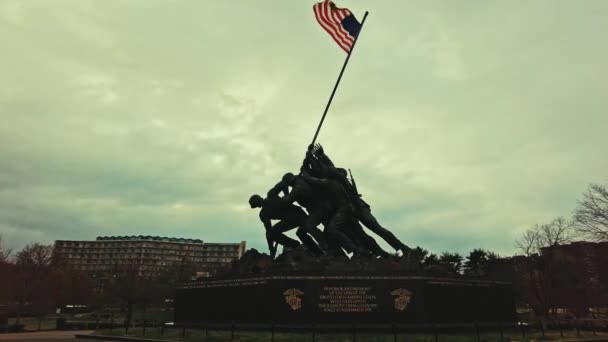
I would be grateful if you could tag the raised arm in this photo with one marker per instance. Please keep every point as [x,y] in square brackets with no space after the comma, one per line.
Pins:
[313,166]
[314,180]
[322,157]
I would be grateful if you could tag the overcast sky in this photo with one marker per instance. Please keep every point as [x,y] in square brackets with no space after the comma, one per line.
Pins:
[464,122]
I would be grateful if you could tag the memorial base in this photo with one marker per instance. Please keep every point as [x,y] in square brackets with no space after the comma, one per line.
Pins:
[343,300]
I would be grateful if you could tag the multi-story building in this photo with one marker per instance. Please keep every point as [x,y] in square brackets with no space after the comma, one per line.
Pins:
[147,255]
[584,266]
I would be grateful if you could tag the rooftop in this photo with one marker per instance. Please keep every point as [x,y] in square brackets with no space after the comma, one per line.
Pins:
[147,238]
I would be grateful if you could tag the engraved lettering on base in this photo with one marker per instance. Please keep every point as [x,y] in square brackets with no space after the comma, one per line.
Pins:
[403,298]
[292,298]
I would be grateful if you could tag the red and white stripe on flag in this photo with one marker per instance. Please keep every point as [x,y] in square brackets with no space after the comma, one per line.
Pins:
[330,18]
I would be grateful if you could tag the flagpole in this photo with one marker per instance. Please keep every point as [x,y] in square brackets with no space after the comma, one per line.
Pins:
[339,78]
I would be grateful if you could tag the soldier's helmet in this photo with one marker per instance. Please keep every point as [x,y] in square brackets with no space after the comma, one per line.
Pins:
[255,201]
[288,178]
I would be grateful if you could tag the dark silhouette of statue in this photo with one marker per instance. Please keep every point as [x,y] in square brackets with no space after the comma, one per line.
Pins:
[356,233]
[325,167]
[290,216]
[339,213]
[310,198]
[329,198]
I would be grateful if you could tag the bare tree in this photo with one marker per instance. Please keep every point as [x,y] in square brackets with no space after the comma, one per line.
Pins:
[558,232]
[34,255]
[5,253]
[528,243]
[538,269]
[32,269]
[592,213]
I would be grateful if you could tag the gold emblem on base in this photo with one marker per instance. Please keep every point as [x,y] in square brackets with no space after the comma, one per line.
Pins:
[403,298]
[292,298]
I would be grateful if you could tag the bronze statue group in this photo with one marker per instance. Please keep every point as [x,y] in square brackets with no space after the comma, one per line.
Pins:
[329,198]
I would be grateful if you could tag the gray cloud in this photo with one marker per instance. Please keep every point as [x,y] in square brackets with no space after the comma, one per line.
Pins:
[464,124]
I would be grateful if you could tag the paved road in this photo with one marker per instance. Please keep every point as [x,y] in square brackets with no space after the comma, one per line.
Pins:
[43,336]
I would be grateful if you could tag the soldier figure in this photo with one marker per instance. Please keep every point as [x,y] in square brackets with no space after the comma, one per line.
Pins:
[329,198]
[309,198]
[356,233]
[339,213]
[325,167]
[290,216]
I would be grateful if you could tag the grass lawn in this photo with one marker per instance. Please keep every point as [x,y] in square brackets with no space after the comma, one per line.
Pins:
[174,334]
[31,323]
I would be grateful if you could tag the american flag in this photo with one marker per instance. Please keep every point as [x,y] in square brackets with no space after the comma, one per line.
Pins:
[340,23]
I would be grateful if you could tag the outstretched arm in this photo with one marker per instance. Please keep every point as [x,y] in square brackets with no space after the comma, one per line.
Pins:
[314,180]
[306,162]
